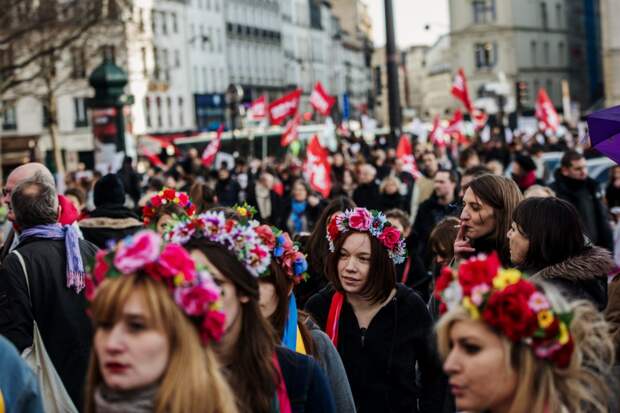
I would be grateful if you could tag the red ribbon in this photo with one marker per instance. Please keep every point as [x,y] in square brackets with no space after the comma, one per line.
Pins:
[333,317]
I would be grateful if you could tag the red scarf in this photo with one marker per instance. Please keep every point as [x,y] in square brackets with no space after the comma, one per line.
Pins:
[333,318]
[284,404]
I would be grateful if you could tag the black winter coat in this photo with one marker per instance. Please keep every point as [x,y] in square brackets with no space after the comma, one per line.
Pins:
[585,197]
[367,196]
[60,312]
[583,276]
[430,212]
[381,360]
[109,223]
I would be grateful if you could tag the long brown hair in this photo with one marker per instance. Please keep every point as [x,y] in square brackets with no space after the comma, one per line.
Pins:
[283,286]
[503,195]
[381,272]
[192,381]
[253,375]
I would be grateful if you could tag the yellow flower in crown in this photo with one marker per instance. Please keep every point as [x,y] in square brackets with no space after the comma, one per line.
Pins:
[504,278]
[564,335]
[474,313]
[545,318]
[242,211]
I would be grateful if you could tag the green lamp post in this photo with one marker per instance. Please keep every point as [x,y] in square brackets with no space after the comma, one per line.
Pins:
[109,82]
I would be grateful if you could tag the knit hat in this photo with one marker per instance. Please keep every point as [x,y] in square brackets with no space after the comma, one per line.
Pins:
[109,190]
[525,162]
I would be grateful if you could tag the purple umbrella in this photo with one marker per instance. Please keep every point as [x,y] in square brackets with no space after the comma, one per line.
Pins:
[604,127]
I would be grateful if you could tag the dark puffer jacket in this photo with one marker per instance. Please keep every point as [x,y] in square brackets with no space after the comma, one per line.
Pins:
[583,276]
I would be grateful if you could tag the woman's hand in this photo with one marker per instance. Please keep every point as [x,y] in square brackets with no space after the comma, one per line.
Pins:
[462,247]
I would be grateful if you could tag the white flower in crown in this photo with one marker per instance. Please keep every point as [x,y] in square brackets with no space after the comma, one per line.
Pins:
[453,295]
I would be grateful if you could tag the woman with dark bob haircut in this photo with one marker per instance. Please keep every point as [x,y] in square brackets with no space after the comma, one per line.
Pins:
[547,241]
[381,329]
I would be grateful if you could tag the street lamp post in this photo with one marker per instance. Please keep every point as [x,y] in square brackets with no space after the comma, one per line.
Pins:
[392,58]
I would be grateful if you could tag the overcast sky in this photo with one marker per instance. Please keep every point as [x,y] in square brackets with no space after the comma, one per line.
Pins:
[410,18]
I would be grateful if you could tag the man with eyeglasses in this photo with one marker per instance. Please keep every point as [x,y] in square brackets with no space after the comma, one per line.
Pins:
[68,213]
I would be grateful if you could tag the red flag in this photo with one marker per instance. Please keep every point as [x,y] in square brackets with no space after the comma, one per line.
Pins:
[480,119]
[404,152]
[320,100]
[459,90]
[456,127]
[258,109]
[436,135]
[208,156]
[291,131]
[317,167]
[153,159]
[545,111]
[284,106]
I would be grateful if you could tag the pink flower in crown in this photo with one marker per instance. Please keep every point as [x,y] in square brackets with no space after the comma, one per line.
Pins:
[477,293]
[538,302]
[266,235]
[360,219]
[212,327]
[101,266]
[390,237]
[175,260]
[183,199]
[143,249]
[195,300]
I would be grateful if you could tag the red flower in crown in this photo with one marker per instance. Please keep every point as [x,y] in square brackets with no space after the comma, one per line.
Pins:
[332,228]
[101,266]
[475,272]
[508,311]
[156,202]
[390,237]
[169,194]
[443,281]
[360,219]
[183,198]
[563,355]
[175,260]
[266,235]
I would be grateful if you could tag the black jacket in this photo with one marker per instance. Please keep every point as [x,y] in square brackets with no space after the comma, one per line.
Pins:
[381,361]
[391,201]
[227,191]
[430,212]
[306,384]
[583,276]
[367,196]
[109,223]
[585,197]
[60,312]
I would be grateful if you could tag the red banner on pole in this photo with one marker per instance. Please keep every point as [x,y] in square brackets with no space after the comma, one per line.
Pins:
[291,131]
[545,111]
[460,91]
[258,108]
[317,167]
[208,156]
[284,106]
[321,100]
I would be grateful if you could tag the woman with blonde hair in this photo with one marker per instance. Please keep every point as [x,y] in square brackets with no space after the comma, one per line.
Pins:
[544,355]
[154,315]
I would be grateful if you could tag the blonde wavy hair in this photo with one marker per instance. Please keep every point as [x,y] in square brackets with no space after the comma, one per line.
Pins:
[192,380]
[582,387]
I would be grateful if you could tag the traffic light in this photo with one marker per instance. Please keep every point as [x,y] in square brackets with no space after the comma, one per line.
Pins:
[521,94]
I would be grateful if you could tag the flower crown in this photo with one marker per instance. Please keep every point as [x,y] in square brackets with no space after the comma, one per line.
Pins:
[510,304]
[240,238]
[167,196]
[375,222]
[193,290]
[285,252]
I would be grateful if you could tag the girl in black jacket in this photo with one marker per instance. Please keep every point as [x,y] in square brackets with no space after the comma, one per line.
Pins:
[381,330]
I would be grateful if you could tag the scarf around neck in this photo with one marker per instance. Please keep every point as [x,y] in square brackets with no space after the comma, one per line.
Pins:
[134,401]
[298,208]
[75,267]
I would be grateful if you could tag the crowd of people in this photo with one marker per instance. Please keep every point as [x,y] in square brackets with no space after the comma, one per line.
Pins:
[242,289]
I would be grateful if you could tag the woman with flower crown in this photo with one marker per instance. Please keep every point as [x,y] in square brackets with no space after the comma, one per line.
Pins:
[510,345]
[265,378]
[166,207]
[155,317]
[381,329]
[299,333]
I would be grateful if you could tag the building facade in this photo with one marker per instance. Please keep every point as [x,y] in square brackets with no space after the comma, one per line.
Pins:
[611,51]
[380,82]
[414,60]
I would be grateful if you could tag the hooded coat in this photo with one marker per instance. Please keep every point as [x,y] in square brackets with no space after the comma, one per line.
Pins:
[582,276]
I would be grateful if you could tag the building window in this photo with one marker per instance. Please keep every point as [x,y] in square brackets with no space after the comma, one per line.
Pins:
[219,40]
[485,55]
[177,59]
[144,64]
[546,52]
[216,5]
[46,115]
[79,106]
[559,15]
[78,63]
[9,118]
[181,114]
[543,15]
[169,107]
[533,51]
[147,111]
[536,87]
[561,53]
[550,88]
[484,11]
[165,64]
[202,36]
[160,122]
[211,40]
[154,21]
[175,27]
[156,71]
[164,22]
[6,61]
